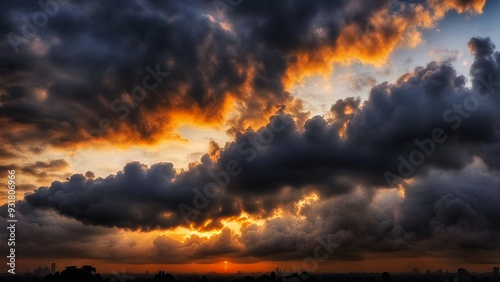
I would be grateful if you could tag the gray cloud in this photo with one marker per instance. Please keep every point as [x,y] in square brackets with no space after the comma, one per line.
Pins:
[269,160]
[342,159]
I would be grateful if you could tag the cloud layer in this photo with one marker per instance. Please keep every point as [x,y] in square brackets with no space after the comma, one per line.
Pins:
[411,171]
[327,180]
[78,73]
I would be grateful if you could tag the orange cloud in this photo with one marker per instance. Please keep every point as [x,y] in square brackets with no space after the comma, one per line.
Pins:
[374,42]
[461,6]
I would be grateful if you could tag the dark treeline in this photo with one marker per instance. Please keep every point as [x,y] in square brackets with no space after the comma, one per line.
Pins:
[88,273]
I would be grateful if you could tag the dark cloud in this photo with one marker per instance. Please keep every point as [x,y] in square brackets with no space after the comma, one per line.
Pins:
[69,88]
[40,170]
[445,214]
[49,234]
[452,214]
[35,168]
[89,174]
[76,71]
[455,211]
[65,80]
[97,203]
[57,237]
[258,165]
[481,47]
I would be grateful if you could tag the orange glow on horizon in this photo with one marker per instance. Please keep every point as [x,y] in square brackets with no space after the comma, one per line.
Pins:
[392,265]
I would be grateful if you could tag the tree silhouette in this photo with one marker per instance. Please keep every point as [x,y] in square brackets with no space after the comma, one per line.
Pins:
[86,273]
[90,269]
[386,277]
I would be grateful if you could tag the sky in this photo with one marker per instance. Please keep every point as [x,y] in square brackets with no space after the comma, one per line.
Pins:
[196,136]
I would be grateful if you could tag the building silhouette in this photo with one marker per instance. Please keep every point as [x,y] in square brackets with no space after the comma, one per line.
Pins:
[462,275]
[53,268]
[495,271]
[41,271]
[162,276]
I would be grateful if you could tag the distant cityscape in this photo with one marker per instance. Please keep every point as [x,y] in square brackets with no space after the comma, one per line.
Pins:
[45,271]
[88,273]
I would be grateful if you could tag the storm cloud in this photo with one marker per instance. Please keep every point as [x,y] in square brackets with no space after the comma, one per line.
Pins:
[411,170]
[78,74]
[340,163]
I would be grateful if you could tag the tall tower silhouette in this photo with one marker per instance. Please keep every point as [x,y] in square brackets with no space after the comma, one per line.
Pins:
[53,268]
[462,275]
